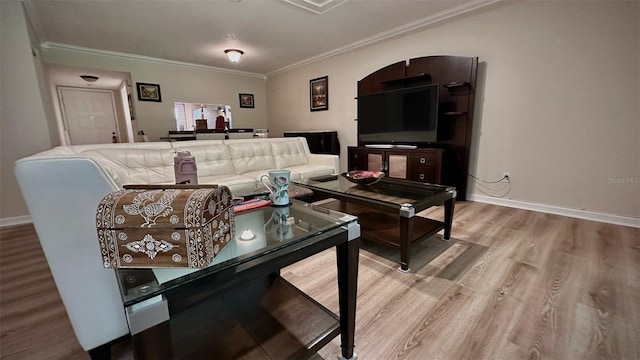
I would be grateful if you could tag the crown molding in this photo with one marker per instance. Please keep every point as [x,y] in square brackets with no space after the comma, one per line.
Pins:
[400,30]
[316,7]
[58,46]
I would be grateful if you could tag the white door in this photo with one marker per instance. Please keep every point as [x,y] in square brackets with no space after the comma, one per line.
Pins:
[89,115]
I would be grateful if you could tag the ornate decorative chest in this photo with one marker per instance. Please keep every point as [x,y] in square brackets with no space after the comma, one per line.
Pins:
[171,226]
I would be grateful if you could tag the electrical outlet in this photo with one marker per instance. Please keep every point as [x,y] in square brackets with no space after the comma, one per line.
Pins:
[506,175]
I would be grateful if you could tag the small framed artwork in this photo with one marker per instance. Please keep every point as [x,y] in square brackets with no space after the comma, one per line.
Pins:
[319,92]
[148,92]
[246,100]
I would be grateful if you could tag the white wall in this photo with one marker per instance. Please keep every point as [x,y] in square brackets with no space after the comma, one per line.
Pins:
[23,124]
[558,95]
[28,123]
[177,83]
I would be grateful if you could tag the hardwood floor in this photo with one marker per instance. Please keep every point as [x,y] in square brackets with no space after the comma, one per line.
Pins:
[33,321]
[512,284]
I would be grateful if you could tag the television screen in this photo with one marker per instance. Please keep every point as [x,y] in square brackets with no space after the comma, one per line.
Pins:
[404,116]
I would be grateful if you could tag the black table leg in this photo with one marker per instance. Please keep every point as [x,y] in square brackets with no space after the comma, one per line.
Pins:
[406,229]
[448,217]
[347,258]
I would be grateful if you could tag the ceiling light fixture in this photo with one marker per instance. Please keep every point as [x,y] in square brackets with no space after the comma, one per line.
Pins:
[234,54]
[89,78]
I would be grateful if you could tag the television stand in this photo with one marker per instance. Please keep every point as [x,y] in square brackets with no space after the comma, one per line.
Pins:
[426,165]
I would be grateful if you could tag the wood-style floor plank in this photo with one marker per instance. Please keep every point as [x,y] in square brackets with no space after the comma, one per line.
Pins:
[536,286]
[511,284]
[33,321]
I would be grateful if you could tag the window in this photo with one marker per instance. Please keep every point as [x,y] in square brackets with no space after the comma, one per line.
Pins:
[182,122]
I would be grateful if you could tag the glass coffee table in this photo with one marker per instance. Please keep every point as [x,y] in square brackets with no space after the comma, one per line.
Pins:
[239,307]
[386,210]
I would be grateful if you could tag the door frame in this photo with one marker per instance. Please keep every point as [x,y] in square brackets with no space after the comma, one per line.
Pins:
[63,111]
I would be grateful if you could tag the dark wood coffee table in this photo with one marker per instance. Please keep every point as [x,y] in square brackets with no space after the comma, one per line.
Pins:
[386,210]
[239,307]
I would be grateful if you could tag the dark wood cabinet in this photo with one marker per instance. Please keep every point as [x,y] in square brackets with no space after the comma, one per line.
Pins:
[448,162]
[423,165]
[426,166]
[320,142]
[365,159]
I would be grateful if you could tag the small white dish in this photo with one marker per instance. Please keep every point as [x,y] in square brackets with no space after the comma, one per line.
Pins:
[247,235]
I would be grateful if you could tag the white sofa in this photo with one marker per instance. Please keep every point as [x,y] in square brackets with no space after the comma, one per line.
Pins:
[63,186]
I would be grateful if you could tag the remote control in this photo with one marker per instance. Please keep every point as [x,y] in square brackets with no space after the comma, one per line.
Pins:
[255,194]
[324,178]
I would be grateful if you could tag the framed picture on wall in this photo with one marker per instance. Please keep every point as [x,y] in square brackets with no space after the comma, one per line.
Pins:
[319,93]
[246,100]
[148,92]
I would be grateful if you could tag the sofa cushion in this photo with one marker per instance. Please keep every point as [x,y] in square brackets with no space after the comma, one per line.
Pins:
[258,174]
[312,170]
[251,155]
[212,159]
[238,184]
[136,166]
[289,153]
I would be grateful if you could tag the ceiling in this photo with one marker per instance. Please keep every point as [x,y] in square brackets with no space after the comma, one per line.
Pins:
[275,35]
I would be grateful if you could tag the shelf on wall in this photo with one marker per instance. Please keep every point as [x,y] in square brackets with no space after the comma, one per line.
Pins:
[457,87]
[456,84]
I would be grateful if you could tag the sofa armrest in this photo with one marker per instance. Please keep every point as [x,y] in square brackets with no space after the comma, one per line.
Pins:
[326,159]
[62,195]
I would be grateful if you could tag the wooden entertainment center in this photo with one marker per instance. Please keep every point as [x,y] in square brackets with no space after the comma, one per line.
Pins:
[445,161]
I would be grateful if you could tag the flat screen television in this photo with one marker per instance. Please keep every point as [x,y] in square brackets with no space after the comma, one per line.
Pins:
[403,116]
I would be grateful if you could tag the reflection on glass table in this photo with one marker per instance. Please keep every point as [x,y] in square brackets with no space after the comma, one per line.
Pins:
[303,221]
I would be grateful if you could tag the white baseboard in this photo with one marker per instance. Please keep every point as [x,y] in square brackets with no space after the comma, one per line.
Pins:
[557,210]
[17,220]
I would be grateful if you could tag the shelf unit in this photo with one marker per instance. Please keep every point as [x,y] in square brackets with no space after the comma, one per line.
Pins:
[382,227]
[423,165]
[260,320]
[408,81]
[320,142]
[456,85]
[456,76]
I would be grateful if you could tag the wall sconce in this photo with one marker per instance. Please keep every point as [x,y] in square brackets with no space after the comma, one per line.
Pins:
[89,78]
[234,54]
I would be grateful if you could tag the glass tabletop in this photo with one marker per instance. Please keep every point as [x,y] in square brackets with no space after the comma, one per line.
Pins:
[393,193]
[257,232]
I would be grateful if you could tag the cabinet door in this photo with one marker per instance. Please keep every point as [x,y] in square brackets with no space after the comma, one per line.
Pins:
[375,161]
[364,159]
[426,166]
[357,160]
[397,166]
